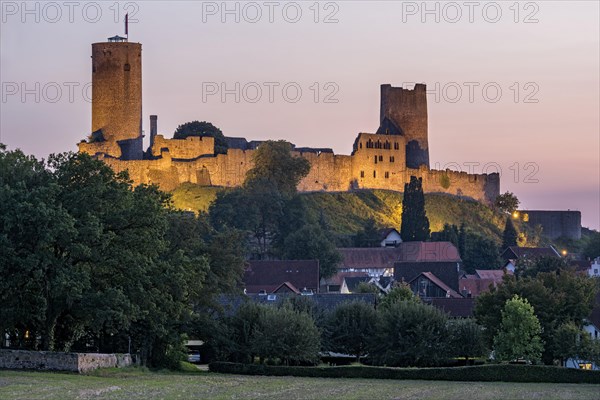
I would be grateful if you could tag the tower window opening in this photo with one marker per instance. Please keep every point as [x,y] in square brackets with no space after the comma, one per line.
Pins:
[375,158]
[362,174]
[374,174]
[387,175]
[127,67]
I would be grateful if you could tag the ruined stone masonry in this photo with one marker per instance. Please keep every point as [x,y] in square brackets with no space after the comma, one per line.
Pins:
[382,160]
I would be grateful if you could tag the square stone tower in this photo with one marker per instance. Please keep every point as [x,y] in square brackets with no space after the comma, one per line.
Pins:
[404,112]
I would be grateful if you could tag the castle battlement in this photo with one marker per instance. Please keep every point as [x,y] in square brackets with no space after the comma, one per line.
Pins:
[385,159]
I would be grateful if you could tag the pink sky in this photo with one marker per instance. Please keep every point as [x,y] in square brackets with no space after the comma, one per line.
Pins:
[545,124]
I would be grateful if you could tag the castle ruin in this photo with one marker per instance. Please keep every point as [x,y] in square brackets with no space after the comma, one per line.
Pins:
[382,160]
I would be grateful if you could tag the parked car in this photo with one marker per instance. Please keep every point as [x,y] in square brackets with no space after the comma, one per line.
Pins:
[194,357]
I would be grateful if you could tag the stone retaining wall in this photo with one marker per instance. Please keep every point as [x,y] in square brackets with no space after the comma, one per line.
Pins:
[53,361]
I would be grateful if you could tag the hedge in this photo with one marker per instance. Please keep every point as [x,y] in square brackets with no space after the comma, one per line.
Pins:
[483,373]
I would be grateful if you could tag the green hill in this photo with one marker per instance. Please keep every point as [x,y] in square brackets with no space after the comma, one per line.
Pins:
[347,211]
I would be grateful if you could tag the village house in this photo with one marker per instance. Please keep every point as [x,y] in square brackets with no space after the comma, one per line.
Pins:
[512,254]
[284,276]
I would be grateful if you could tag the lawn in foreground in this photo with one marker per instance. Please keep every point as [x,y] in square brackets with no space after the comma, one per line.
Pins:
[133,384]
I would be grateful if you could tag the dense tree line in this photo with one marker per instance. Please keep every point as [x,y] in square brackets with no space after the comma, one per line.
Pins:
[400,332]
[91,263]
[560,300]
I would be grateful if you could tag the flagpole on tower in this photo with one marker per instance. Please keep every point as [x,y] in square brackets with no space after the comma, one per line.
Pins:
[127,26]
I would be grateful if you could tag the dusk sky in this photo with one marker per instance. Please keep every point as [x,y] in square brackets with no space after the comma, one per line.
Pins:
[511,85]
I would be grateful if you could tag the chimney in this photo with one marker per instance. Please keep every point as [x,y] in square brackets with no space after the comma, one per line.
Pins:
[153,128]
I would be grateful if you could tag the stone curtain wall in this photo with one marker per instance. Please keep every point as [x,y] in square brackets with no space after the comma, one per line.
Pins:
[51,361]
[329,172]
[189,148]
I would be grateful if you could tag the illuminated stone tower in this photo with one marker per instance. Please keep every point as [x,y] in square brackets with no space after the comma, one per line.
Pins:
[117,98]
[404,112]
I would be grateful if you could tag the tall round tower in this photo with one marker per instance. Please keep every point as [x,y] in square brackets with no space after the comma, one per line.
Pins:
[117,96]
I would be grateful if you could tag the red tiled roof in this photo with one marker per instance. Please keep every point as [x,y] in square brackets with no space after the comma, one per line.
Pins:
[369,257]
[494,274]
[385,257]
[438,283]
[475,286]
[270,275]
[428,252]
[528,252]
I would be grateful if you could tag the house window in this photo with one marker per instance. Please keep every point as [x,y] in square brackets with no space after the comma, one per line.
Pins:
[360,145]
[369,144]
[396,146]
[387,145]
[392,159]
[362,174]
[380,158]
[387,175]
[375,159]
[374,174]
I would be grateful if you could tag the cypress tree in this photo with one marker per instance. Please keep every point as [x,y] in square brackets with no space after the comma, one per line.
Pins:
[509,236]
[415,224]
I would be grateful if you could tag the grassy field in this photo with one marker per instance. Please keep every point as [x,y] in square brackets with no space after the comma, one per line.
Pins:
[135,384]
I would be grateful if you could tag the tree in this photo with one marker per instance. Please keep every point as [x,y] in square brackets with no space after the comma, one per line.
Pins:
[480,252]
[448,234]
[350,327]
[400,292]
[519,335]
[90,262]
[202,129]
[259,218]
[365,287]
[285,335]
[466,339]
[311,243]
[591,246]
[571,341]
[415,224]
[510,235]
[368,236]
[557,297]
[409,333]
[531,267]
[273,162]
[507,202]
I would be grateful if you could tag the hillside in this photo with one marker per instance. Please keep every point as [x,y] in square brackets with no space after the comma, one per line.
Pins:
[347,211]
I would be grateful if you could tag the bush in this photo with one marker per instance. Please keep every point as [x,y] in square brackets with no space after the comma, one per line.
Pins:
[483,373]
[409,333]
